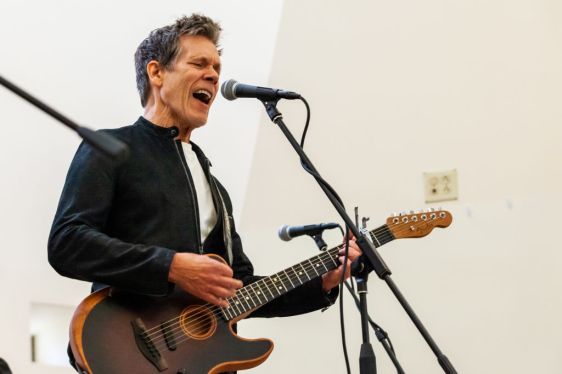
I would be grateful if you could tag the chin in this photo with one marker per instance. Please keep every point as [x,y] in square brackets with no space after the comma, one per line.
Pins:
[194,122]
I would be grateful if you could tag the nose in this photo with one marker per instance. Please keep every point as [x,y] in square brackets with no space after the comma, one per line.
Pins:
[211,75]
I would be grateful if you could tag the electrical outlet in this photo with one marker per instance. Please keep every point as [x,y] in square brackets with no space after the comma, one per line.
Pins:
[441,186]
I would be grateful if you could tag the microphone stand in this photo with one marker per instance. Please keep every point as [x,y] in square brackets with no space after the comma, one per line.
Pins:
[367,359]
[103,142]
[370,258]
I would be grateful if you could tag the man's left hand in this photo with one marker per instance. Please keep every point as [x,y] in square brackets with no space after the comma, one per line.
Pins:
[332,278]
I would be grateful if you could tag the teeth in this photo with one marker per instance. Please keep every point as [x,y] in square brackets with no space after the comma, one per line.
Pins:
[204,92]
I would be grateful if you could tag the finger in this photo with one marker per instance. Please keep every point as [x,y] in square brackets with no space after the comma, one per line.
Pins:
[217,267]
[216,300]
[222,292]
[228,282]
[222,286]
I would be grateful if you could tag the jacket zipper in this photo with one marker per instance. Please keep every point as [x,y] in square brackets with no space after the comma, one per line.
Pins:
[193,196]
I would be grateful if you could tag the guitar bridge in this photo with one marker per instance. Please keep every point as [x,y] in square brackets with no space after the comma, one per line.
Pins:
[146,345]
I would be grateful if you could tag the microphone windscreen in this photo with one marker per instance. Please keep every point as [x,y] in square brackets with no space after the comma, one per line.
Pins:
[283,233]
[227,89]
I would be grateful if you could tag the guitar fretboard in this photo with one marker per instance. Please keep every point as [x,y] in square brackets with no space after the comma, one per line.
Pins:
[269,288]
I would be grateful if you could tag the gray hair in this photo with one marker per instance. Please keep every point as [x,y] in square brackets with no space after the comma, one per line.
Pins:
[162,45]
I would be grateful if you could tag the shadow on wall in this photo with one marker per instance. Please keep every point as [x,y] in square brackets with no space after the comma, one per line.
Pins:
[4,368]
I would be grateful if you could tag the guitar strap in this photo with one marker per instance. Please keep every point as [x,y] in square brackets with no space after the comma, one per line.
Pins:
[226,232]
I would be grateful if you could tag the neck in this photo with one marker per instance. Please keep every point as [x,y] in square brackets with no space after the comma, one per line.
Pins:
[163,118]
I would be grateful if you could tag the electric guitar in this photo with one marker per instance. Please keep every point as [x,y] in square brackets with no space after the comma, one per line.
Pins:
[114,332]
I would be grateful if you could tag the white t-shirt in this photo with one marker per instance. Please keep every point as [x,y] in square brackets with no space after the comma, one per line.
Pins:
[207,213]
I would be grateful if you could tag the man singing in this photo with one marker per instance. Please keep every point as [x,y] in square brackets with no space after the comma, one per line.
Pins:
[144,224]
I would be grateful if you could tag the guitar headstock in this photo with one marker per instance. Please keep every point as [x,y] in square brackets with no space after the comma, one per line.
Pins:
[417,225]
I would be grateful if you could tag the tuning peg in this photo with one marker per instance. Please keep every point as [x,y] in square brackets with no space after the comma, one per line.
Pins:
[412,212]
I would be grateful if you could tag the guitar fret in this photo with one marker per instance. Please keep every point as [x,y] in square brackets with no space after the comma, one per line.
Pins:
[268,289]
[296,276]
[236,303]
[249,290]
[334,261]
[224,310]
[256,293]
[276,281]
[312,267]
[302,266]
[289,278]
[327,262]
[248,297]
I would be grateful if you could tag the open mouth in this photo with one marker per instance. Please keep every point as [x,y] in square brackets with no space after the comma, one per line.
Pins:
[203,95]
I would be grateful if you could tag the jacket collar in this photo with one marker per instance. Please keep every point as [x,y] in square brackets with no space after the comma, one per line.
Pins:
[172,132]
[169,132]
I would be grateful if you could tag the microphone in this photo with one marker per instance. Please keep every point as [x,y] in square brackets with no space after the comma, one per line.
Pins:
[232,90]
[287,233]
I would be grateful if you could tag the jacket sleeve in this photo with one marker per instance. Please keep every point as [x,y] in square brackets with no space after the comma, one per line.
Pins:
[303,299]
[79,246]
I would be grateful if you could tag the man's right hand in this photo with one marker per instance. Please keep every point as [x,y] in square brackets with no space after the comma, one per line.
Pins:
[203,277]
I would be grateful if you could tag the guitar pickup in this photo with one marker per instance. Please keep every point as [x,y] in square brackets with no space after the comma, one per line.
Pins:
[146,345]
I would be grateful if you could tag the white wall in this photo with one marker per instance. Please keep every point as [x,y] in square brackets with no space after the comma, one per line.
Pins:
[78,57]
[396,89]
[399,88]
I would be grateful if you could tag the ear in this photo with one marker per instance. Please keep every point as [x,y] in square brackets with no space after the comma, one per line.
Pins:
[154,72]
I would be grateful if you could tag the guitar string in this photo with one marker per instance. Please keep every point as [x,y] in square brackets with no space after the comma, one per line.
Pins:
[268,282]
[217,312]
[200,329]
[189,327]
[251,295]
[290,276]
[249,292]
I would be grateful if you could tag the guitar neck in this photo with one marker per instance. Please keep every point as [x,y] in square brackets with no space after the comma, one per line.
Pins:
[269,288]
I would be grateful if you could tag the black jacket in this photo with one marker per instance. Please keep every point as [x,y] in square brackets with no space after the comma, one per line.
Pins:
[120,223]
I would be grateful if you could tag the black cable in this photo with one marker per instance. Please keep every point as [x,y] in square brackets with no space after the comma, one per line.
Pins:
[381,335]
[305,167]
[342,321]
[307,121]
[333,192]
